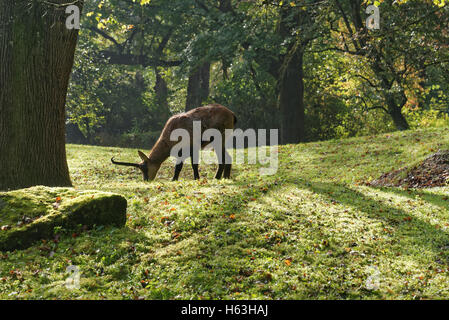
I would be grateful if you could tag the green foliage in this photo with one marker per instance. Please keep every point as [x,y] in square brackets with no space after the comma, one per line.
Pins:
[427,118]
[250,95]
[346,88]
[111,104]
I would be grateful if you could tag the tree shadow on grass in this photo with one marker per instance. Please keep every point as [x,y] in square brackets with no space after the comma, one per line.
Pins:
[403,223]
[436,199]
[220,251]
[220,261]
[406,232]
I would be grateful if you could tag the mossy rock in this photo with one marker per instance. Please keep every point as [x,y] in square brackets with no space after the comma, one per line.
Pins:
[32,214]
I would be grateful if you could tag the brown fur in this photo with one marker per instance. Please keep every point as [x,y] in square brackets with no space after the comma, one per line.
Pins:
[213,116]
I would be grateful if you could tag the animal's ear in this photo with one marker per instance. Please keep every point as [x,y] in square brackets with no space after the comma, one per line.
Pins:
[143,156]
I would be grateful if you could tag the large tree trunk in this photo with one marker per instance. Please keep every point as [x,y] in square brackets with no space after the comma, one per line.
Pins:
[291,75]
[394,102]
[198,86]
[399,120]
[396,114]
[161,92]
[6,11]
[36,54]
[291,99]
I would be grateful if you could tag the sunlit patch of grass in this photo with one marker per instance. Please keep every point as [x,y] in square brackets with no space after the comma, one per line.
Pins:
[311,231]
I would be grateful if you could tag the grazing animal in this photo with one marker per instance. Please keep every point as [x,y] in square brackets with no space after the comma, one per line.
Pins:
[213,116]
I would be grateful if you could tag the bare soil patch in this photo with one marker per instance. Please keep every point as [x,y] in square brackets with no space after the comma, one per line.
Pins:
[431,172]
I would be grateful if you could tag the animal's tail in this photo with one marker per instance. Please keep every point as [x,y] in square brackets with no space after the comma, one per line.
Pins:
[235,119]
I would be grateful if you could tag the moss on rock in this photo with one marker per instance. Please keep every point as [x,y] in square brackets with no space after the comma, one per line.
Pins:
[31,214]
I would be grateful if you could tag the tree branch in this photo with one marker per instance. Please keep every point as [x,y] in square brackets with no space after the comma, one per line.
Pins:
[59,5]
[372,108]
[348,25]
[132,60]
[108,37]
[367,80]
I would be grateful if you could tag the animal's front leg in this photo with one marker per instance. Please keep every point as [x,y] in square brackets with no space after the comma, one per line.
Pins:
[178,168]
[219,171]
[196,174]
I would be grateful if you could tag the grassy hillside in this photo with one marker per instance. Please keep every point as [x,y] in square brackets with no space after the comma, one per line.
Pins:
[312,231]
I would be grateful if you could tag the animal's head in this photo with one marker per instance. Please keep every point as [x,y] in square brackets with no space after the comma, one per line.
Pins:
[148,167]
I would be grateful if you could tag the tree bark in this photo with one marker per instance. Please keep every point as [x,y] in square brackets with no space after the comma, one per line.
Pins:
[36,54]
[161,91]
[394,102]
[198,86]
[205,81]
[394,110]
[291,99]
[291,77]
[6,12]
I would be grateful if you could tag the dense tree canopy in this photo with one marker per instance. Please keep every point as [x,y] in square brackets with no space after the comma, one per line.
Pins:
[310,68]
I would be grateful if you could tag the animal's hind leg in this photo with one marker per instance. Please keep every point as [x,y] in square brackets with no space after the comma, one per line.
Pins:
[227,165]
[194,154]
[220,156]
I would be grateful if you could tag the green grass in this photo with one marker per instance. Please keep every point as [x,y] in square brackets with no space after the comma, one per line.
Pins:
[312,231]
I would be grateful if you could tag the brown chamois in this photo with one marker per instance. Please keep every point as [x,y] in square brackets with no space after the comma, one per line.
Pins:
[212,116]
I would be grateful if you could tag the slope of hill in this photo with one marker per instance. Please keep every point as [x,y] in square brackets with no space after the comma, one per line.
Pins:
[313,230]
